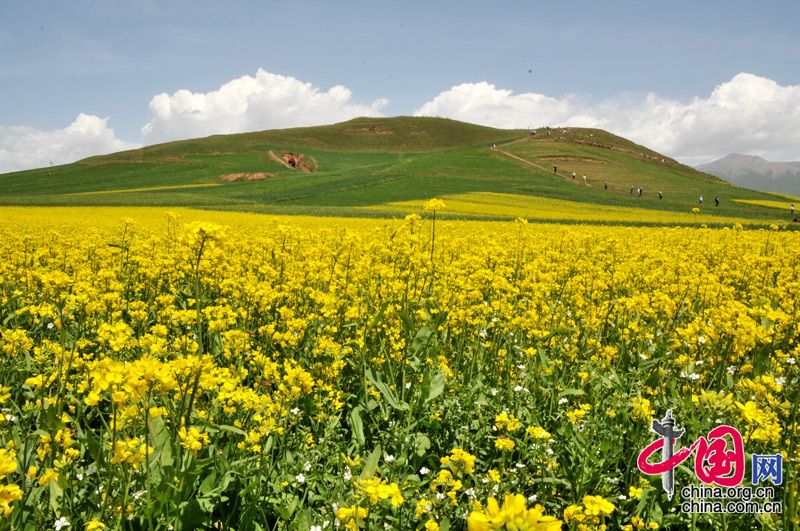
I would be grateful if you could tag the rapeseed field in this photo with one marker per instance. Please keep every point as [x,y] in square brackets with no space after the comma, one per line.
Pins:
[187,369]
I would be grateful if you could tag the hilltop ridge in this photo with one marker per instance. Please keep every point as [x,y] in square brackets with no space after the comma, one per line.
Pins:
[368,162]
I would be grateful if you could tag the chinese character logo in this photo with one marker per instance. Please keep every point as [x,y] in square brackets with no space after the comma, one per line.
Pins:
[713,463]
[669,434]
[767,467]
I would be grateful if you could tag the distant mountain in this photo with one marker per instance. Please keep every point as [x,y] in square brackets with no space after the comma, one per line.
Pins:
[756,173]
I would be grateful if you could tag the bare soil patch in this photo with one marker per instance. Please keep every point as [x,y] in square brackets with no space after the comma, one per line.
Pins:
[237,177]
[571,158]
[299,161]
[372,129]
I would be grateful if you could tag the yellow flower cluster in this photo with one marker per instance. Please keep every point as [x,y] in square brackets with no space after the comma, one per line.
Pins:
[537,432]
[513,515]
[642,410]
[579,413]
[591,514]
[376,490]
[351,517]
[504,444]
[637,522]
[132,451]
[459,460]
[762,423]
[9,492]
[504,421]
[446,482]
[433,205]
[193,439]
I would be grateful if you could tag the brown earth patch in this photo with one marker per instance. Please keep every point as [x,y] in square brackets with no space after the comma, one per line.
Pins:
[570,158]
[277,159]
[372,129]
[236,177]
[299,161]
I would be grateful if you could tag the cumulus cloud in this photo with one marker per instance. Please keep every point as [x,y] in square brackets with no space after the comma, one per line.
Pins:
[26,147]
[266,101]
[748,114]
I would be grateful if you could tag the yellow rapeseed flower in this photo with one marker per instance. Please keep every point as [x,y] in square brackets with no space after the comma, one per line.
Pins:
[512,515]
[433,205]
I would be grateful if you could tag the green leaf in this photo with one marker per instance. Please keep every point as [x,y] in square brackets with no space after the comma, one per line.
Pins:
[55,495]
[571,392]
[191,514]
[357,426]
[422,339]
[161,443]
[206,504]
[286,509]
[208,483]
[232,429]
[303,520]
[421,444]
[378,316]
[371,463]
[386,392]
[437,386]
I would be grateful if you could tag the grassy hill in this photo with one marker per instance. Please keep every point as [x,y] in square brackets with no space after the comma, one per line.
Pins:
[380,166]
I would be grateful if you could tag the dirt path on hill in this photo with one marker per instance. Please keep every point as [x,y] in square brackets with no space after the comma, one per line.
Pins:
[591,143]
[530,163]
[520,159]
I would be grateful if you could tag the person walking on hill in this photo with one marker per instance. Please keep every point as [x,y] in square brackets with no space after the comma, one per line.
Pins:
[660,194]
[701,199]
[716,201]
[555,169]
[605,185]
[791,210]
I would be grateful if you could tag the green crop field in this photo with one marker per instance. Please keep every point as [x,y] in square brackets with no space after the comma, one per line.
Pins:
[369,166]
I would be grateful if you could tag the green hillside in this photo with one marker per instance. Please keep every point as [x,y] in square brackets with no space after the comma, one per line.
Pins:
[361,165]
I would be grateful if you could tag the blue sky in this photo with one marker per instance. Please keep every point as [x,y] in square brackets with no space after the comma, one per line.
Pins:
[514,61]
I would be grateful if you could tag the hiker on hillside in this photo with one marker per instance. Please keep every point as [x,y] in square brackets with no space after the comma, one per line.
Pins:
[584,181]
[660,194]
[573,176]
[555,169]
[701,199]
[791,210]
[605,185]
[640,191]
[494,146]
[716,201]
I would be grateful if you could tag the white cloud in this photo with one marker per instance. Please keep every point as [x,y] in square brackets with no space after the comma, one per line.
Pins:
[26,147]
[266,101]
[748,114]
